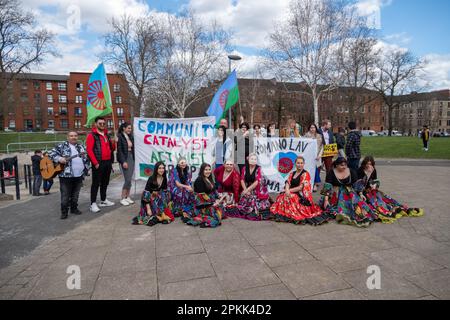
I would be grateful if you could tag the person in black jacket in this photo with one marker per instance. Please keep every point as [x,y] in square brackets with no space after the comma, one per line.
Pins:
[340,141]
[125,156]
[36,164]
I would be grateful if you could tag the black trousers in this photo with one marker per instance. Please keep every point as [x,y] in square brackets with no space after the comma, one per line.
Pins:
[100,179]
[70,191]
[425,144]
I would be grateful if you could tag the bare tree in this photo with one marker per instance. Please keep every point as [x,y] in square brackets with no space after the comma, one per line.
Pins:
[396,72]
[304,47]
[22,45]
[133,48]
[193,56]
[357,62]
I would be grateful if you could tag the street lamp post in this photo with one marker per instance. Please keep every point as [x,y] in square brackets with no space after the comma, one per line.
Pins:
[231,57]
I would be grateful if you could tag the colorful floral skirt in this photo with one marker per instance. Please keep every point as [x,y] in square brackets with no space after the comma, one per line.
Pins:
[388,209]
[252,208]
[204,214]
[182,201]
[348,208]
[296,210]
[161,209]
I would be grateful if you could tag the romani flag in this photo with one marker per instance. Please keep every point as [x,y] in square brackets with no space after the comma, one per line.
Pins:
[98,102]
[225,98]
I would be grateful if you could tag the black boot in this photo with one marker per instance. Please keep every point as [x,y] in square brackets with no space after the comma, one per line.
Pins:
[64,215]
[75,211]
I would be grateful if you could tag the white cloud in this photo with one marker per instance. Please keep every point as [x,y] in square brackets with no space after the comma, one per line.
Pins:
[251,20]
[437,71]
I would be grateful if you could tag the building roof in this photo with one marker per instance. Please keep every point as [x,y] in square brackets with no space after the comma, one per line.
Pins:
[41,76]
[439,95]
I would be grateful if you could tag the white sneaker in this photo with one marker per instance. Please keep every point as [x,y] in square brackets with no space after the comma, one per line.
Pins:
[129,200]
[94,208]
[106,203]
[124,202]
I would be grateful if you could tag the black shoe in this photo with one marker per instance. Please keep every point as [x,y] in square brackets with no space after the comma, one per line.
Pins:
[64,215]
[135,221]
[76,211]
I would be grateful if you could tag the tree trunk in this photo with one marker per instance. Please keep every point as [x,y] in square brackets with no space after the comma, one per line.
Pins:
[316,109]
[390,120]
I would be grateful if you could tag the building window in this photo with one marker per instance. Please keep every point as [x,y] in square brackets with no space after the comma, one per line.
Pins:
[118,99]
[120,112]
[79,86]
[78,111]
[48,86]
[109,123]
[77,124]
[50,111]
[419,122]
[51,123]
[419,113]
[64,123]
[63,111]
[62,98]
[24,97]
[116,87]
[62,86]
[38,123]
[36,85]
[24,85]
[78,99]
[49,98]
[12,124]
[121,121]
[448,123]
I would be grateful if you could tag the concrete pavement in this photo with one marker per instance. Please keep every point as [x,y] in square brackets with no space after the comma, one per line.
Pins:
[238,260]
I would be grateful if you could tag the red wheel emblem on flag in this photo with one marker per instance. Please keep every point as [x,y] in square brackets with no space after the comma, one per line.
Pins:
[223,98]
[96,96]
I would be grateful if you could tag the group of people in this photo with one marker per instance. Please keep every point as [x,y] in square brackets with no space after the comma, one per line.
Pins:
[224,189]
[348,196]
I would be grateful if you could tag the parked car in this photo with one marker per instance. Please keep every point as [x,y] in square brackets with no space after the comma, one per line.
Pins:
[396,133]
[8,130]
[441,134]
[50,131]
[368,133]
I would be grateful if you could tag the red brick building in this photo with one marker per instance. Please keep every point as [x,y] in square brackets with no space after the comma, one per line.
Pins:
[268,101]
[45,101]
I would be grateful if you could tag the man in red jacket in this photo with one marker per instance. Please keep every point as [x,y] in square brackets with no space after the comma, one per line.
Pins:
[100,150]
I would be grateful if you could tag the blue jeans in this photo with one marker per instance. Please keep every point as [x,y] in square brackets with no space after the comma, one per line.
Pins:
[48,185]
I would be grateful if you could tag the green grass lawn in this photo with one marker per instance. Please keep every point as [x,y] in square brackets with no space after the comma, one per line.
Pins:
[6,138]
[405,147]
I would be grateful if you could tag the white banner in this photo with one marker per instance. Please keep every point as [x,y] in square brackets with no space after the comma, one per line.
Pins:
[276,156]
[169,139]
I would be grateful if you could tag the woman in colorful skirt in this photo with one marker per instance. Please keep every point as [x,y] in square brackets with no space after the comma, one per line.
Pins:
[342,196]
[208,211]
[254,202]
[387,209]
[181,188]
[155,202]
[228,183]
[296,204]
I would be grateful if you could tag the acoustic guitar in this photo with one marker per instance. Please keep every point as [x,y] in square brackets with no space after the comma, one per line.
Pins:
[50,170]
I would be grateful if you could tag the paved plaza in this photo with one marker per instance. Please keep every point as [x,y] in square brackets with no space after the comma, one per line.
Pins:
[238,260]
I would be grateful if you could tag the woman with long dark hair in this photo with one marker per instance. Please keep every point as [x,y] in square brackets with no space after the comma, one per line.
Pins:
[125,157]
[387,208]
[155,203]
[180,186]
[342,196]
[208,209]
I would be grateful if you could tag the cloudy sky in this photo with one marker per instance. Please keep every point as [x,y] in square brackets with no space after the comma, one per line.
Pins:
[421,26]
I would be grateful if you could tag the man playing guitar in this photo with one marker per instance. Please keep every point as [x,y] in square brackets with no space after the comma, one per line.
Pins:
[71,178]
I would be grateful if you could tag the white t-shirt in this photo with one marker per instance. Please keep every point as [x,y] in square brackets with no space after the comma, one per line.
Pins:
[77,162]
[326,136]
